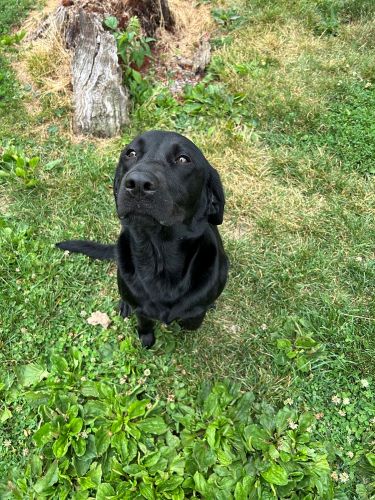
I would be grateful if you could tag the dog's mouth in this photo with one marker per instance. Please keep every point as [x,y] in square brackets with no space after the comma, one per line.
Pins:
[141,219]
[145,214]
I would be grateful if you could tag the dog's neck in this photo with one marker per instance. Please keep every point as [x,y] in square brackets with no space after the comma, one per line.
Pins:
[156,247]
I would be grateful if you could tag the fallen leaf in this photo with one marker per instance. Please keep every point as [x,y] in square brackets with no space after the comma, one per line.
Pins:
[99,318]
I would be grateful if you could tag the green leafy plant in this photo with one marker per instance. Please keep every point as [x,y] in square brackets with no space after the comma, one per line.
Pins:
[8,40]
[113,440]
[303,351]
[14,164]
[212,99]
[227,18]
[298,346]
[133,49]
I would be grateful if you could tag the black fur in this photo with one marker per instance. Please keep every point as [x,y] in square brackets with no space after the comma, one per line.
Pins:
[91,248]
[170,258]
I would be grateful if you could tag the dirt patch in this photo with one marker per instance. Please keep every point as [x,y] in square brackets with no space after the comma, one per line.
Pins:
[175,52]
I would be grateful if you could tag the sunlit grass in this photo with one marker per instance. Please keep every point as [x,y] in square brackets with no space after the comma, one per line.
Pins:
[299,222]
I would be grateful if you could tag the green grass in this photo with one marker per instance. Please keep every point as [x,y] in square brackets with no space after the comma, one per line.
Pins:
[12,13]
[286,115]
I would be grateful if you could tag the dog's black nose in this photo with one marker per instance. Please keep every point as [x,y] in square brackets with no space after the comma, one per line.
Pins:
[141,183]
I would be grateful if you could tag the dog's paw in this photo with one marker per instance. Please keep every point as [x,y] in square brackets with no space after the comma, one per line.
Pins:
[124,309]
[147,339]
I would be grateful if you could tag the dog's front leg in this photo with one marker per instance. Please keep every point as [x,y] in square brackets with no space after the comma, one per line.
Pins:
[192,323]
[146,331]
[124,309]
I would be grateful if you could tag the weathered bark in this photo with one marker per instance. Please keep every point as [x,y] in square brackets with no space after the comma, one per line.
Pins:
[202,57]
[99,98]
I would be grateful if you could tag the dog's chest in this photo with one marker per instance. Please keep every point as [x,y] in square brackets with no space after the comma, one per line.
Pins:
[157,283]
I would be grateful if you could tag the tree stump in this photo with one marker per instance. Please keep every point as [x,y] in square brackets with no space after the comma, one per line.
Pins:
[100,100]
[153,14]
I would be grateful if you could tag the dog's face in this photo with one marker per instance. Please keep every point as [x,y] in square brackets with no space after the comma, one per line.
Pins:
[164,178]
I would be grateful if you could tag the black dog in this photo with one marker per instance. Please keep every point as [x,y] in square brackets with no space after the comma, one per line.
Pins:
[171,261]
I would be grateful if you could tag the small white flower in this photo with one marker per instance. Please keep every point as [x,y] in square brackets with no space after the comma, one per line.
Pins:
[123,380]
[83,378]
[319,415]
[359,258]
[292,425]
[234,328]
[25,452]
[342,413]
[23,330]
[263,327]
[17,269]
[344,477]
[346,401]
[364,383]
[147,372]
[120,337]
[336,400]
[372,421]
[83,314]
[350,454]
[7,443]
[66,253]
[149,406]
[171,398]
[288,401]
[84,435]
[335,476]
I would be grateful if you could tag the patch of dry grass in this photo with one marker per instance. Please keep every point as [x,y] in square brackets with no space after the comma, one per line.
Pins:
[255,196]
[5,200]
[48,64]
[36,17]
[192,22]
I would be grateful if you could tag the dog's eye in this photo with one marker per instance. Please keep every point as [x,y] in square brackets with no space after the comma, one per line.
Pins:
[183,159]
[131,153]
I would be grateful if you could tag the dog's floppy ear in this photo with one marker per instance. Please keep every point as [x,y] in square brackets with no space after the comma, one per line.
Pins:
[116,183]
[118,176]
[216,198]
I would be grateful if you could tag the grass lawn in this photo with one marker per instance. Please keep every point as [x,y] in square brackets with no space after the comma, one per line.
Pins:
[286,115]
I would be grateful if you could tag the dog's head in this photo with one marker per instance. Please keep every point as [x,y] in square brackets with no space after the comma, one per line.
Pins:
[164,177]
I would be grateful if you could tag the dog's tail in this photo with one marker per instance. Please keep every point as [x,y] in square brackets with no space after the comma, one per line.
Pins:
[91,248]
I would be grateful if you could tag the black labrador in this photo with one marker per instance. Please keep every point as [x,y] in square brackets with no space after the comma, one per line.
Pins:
[170,257]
